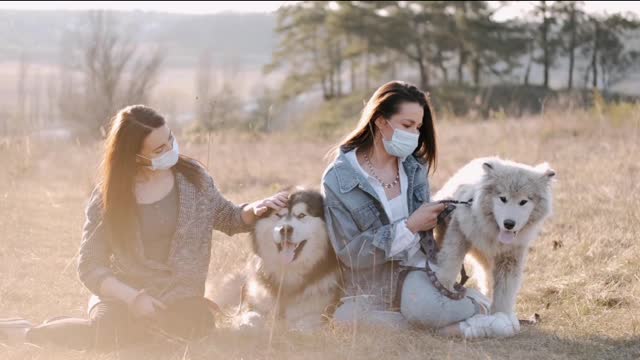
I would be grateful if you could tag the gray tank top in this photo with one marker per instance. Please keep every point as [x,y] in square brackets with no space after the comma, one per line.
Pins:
[158,222]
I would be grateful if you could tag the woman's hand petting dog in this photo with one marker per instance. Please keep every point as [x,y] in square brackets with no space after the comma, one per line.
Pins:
[252,212]
[275,202]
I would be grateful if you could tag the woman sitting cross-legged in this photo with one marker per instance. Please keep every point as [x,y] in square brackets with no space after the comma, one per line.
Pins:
[146,243]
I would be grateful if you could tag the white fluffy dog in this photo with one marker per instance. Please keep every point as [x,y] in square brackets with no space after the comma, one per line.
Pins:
[509,202]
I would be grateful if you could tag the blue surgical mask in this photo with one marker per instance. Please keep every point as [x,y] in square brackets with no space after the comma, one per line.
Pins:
[402,143]
[166,160]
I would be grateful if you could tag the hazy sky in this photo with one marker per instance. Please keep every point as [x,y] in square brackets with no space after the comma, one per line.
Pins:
[192,7]
[197,7]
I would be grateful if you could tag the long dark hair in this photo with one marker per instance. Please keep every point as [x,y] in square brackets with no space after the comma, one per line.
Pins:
[129,127]
[385,102]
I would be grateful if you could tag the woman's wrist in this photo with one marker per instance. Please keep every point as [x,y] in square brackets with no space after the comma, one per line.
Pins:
[247,214]
[114,288]
[411,226]
[131,301]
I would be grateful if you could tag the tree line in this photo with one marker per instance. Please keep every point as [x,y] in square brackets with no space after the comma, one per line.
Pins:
[342,46]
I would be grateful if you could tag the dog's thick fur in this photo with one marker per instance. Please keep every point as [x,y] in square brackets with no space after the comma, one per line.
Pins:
[503,194]
[301,289]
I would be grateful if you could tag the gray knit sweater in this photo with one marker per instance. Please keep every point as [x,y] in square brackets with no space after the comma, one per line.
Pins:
[184,274]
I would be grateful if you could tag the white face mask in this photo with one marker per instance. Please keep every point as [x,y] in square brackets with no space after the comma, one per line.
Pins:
[402,143]
[166,160]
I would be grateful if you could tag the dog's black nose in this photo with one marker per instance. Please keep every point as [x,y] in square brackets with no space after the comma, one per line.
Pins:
[509,224]
[286,231]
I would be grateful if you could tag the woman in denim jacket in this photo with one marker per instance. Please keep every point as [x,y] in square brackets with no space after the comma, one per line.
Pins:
[377,203]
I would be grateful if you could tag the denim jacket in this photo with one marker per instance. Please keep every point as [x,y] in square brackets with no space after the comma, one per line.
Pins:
[359,229]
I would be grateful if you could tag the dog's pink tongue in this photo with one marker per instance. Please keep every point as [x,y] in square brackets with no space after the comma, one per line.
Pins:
[506,237]
[287,253]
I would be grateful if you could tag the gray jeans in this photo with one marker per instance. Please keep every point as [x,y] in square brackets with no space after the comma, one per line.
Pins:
[368,310]
[424,306]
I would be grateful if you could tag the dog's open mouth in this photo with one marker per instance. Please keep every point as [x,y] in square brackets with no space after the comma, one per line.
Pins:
[507,236]
[289,251]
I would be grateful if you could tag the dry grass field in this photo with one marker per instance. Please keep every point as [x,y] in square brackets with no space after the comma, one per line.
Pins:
[582,276]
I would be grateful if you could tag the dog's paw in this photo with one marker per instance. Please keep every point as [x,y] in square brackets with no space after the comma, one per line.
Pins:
[505,326]
[515,322]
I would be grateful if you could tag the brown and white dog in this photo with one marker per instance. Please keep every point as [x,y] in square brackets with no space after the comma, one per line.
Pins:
[293,273]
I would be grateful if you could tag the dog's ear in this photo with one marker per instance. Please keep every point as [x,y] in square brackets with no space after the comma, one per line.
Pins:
[287,188]
[546,171]
[299,188]
[293,189]
[305,187]
[489,167]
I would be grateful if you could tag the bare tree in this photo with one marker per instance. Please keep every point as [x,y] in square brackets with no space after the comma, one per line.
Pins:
[35,102]
[144,72]
[115,71]
[204,108]
[52,96]
[218,104]
[21,107]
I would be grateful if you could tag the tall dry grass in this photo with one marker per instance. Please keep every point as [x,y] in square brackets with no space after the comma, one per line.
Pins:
[582,275]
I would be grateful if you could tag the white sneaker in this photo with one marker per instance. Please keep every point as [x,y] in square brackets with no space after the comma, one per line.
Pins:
[494,325]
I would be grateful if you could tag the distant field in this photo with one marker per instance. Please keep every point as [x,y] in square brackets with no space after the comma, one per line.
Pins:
[174,92]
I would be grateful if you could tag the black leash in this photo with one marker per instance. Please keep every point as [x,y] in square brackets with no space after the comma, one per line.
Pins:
[429,248]
[451,205]
[427,240]
[441,219]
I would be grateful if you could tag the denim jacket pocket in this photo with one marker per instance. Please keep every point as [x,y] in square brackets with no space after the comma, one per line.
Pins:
[366,216]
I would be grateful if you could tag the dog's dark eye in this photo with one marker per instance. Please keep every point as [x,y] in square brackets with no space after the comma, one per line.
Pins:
[503,199]
[301,216]
[523,202]
[279,216]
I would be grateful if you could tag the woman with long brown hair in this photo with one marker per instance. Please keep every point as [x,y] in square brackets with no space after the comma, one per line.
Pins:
[377,209]
[146,242]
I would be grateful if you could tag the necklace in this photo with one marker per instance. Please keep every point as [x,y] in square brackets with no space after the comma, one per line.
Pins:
[385,185]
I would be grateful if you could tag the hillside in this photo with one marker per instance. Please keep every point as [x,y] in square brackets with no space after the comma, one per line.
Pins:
[245,38]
